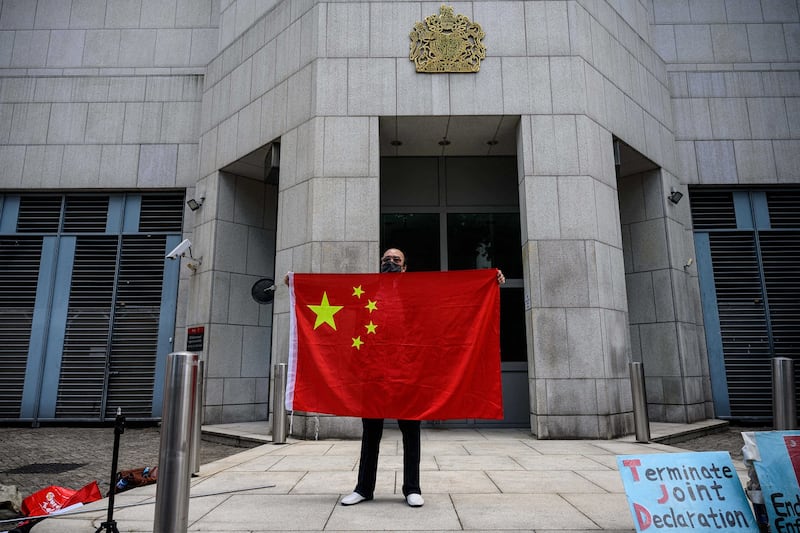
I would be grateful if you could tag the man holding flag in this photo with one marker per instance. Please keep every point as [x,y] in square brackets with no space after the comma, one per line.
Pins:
[421,346]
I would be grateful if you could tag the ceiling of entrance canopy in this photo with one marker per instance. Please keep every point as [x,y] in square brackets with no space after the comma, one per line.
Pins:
[449,135]
[420,136]
[443,136]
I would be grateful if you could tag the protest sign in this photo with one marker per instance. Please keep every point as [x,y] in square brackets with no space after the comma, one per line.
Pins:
[685,492]
[778,470]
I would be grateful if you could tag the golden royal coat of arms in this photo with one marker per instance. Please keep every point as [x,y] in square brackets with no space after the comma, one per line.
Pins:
[447,43]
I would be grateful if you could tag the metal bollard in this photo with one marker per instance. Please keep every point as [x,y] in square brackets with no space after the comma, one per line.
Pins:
[641,419]
[174,465]
[279,428]
[198,419]
[784,408]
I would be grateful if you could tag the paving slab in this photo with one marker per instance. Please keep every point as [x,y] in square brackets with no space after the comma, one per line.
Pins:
[395,462]
[341,483]
[544,481]
[269,513]
[257,464]
[440,447]
[254,482]
[557,447]
[457,482]
[497,447]
[518,512]
[314,463]
[609,511]
[608,480]
[477,462]
[391,513]
[559,462]
[312,449]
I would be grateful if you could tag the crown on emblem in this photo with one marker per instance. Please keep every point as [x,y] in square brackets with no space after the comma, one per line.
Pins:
[447,43]
[447,18]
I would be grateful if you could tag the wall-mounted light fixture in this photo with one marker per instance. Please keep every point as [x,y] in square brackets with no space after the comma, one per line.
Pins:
[675,196]
[194,205]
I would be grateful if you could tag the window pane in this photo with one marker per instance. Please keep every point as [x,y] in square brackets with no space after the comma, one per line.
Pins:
[161,212]
[86,214]
[417,235]
[483,241]
[512,325]
[39,213]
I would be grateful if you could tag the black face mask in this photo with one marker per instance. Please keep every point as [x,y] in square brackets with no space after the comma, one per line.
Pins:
[390,266]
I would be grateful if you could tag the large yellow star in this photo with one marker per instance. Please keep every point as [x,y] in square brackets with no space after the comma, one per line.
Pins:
[357,342]
[325,312]
[371,327]
[358,291]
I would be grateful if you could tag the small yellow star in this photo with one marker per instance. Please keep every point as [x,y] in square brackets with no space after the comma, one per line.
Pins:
[325,312]
[372,306]
[371,327]
[357,342]
[358,291]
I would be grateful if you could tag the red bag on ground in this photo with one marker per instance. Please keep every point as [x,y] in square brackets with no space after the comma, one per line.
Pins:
[137,477]
[54,498]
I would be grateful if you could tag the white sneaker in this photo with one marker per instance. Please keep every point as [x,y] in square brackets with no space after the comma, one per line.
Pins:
[352,499]
[415,500]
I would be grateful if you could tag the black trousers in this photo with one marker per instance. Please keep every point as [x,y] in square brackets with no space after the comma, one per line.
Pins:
[370,446]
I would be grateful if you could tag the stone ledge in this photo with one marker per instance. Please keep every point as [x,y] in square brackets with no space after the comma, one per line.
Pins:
[692,431]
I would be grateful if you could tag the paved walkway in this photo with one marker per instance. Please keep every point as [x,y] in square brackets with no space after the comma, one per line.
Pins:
[477,480]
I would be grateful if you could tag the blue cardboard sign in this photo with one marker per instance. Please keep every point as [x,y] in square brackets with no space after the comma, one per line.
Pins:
[685,492]
[778,472]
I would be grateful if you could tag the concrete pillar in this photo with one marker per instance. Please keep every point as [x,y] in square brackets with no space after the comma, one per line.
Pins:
[234,233]
[663,297]
[328,221]
[574,280]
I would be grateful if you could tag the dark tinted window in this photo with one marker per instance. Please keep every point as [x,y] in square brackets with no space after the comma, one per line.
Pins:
[484,240]
[417,235]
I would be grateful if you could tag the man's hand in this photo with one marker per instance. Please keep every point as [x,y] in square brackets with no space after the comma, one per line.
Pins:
[500,277]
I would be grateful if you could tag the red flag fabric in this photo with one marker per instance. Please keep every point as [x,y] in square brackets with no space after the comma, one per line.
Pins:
[410,345]
[52,499]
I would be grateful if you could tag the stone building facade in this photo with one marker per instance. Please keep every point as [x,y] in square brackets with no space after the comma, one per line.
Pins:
[304,131]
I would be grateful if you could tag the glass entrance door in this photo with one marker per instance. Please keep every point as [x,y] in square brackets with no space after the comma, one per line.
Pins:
[463,213]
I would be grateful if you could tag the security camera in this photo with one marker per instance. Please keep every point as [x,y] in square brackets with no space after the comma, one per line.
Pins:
[180,250]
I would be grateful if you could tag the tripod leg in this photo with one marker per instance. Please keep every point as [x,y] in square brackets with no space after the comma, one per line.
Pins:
[110,527]
[119,428]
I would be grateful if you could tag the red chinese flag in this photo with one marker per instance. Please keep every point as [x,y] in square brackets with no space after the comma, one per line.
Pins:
[413,346]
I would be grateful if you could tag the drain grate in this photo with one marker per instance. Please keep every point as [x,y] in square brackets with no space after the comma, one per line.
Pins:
[45,468]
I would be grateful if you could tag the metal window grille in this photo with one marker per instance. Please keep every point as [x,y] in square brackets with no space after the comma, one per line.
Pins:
[757,291]
[108,357]
[19,271]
